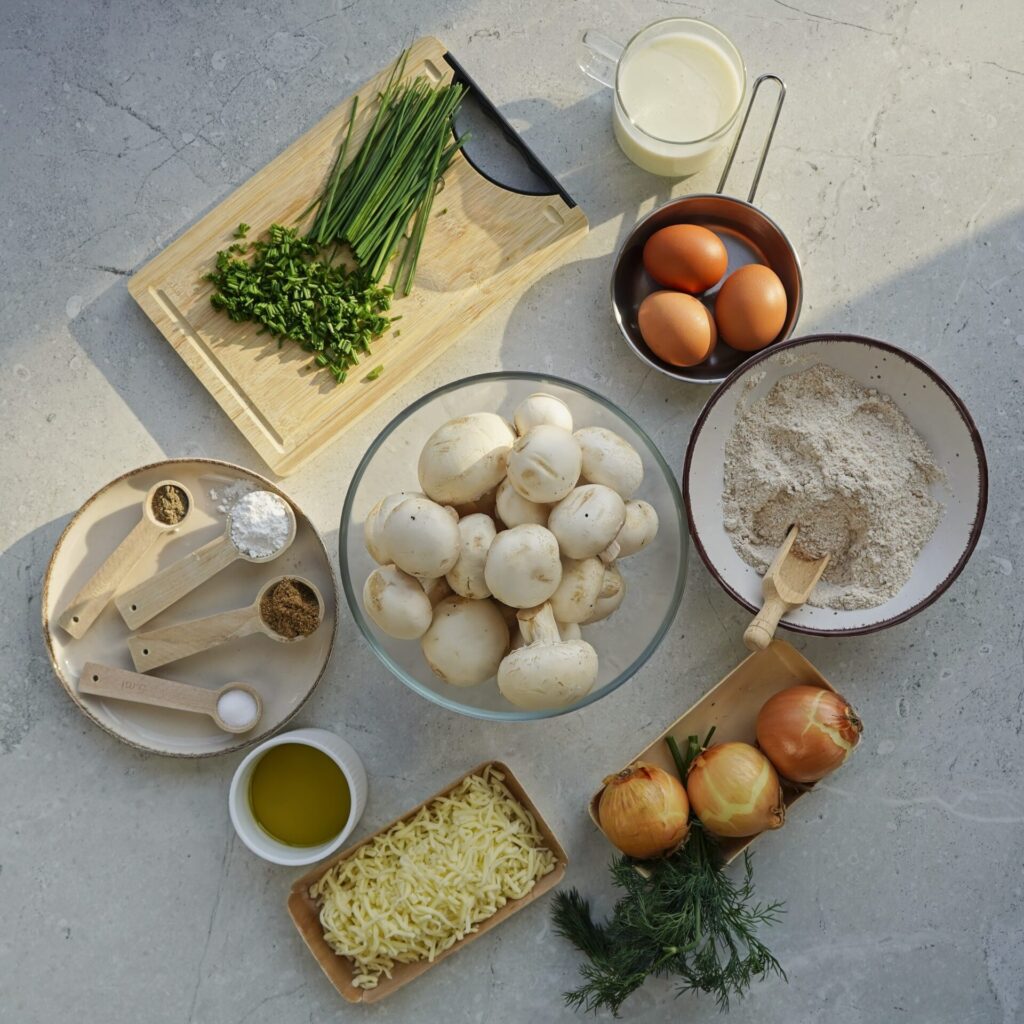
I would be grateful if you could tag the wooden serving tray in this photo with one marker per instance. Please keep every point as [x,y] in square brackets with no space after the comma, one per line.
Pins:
[484,244]
[732,706]
[306,916]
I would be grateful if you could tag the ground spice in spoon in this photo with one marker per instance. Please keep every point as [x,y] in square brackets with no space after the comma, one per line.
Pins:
[169,504]
[290,608]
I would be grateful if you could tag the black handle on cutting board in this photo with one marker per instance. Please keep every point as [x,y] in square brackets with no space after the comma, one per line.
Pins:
[511,136]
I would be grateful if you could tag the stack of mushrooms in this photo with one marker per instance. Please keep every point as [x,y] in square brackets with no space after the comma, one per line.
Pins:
[509,549]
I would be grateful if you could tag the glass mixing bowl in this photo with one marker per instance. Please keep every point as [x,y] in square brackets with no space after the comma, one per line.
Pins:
[654,577]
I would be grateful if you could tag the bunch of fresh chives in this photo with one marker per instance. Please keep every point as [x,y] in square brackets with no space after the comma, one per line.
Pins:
[390,183]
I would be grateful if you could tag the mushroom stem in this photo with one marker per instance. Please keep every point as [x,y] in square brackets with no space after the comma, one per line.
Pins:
[538,625]
[610,553]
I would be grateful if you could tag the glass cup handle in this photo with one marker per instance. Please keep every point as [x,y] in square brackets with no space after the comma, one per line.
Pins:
[598,57]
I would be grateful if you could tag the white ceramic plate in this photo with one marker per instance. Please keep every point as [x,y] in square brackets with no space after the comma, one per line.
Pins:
[284,674]
[932,409]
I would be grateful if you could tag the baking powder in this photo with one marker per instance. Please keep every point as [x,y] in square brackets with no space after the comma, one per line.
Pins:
[260,524]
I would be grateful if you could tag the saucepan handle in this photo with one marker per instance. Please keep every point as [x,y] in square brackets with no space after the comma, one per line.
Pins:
[768,139]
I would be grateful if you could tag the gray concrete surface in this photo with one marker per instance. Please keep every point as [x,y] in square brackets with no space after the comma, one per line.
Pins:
[897,170]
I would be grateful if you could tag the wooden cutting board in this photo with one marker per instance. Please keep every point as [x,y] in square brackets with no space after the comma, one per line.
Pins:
[488,244]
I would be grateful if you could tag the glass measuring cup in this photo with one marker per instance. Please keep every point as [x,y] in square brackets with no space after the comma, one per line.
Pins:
[679,85]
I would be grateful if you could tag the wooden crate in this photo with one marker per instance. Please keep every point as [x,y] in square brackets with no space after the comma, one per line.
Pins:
[732,706]
[305,914]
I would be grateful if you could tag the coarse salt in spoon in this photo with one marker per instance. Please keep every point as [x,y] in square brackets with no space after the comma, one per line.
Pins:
[234,708]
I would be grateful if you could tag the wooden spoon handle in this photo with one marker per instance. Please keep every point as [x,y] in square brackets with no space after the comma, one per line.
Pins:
[87,604]
[104,681]
[152,596]
[758,635]
[159,646]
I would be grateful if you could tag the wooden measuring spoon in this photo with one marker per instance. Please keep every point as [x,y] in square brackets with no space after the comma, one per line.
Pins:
[160,646]
[150,597]
[87,604]
[120,684]
[786,585]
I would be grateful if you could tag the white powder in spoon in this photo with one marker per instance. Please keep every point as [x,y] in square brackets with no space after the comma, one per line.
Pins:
[260,524]
[230,493]
[237,708]
[843,463]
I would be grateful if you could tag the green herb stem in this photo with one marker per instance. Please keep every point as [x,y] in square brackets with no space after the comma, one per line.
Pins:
[384,194]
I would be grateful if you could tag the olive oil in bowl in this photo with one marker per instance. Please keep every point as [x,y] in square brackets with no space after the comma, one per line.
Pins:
[299,796]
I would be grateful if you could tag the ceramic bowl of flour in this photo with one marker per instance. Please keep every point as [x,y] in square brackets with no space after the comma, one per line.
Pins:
[957,493]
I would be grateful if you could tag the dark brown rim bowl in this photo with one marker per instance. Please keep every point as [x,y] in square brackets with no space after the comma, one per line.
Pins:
[750,236]
[885,351]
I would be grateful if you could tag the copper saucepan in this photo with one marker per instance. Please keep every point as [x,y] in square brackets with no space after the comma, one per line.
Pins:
[750,236]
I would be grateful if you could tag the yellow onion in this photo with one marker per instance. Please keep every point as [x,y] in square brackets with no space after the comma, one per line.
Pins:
[735,791]
[807,732]
[644,811]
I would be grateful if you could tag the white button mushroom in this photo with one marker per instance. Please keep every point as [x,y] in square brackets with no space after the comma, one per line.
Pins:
[610,460]
[544,464]
[466,577]
[606,605]
[466,641]
[510,615]
[584,582]
[639,529]
[484,504]
[523,568]
[548,672]
[373,525]
[464,458]
[541,408]
[396,603]
[587,521]
[436,590]
[421,538]
[514,510]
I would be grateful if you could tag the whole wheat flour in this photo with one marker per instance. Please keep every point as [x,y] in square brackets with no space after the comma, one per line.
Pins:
[841,462]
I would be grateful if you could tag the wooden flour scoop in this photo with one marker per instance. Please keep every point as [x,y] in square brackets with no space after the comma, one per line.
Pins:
[786,585]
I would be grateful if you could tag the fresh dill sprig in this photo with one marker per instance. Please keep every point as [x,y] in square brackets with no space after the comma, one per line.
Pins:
[683,916]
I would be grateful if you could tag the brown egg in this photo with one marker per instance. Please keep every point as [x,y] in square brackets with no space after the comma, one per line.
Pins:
[685,256]
[678,328]
[751,308]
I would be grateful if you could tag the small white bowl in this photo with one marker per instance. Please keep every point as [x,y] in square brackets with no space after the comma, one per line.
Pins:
[932,408]
[256,838]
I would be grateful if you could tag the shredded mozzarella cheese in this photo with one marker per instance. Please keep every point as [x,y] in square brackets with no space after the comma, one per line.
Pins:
[416,889]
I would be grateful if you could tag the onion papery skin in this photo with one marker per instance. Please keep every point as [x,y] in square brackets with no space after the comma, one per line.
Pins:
[644,811]
[735,791]
[807,732]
